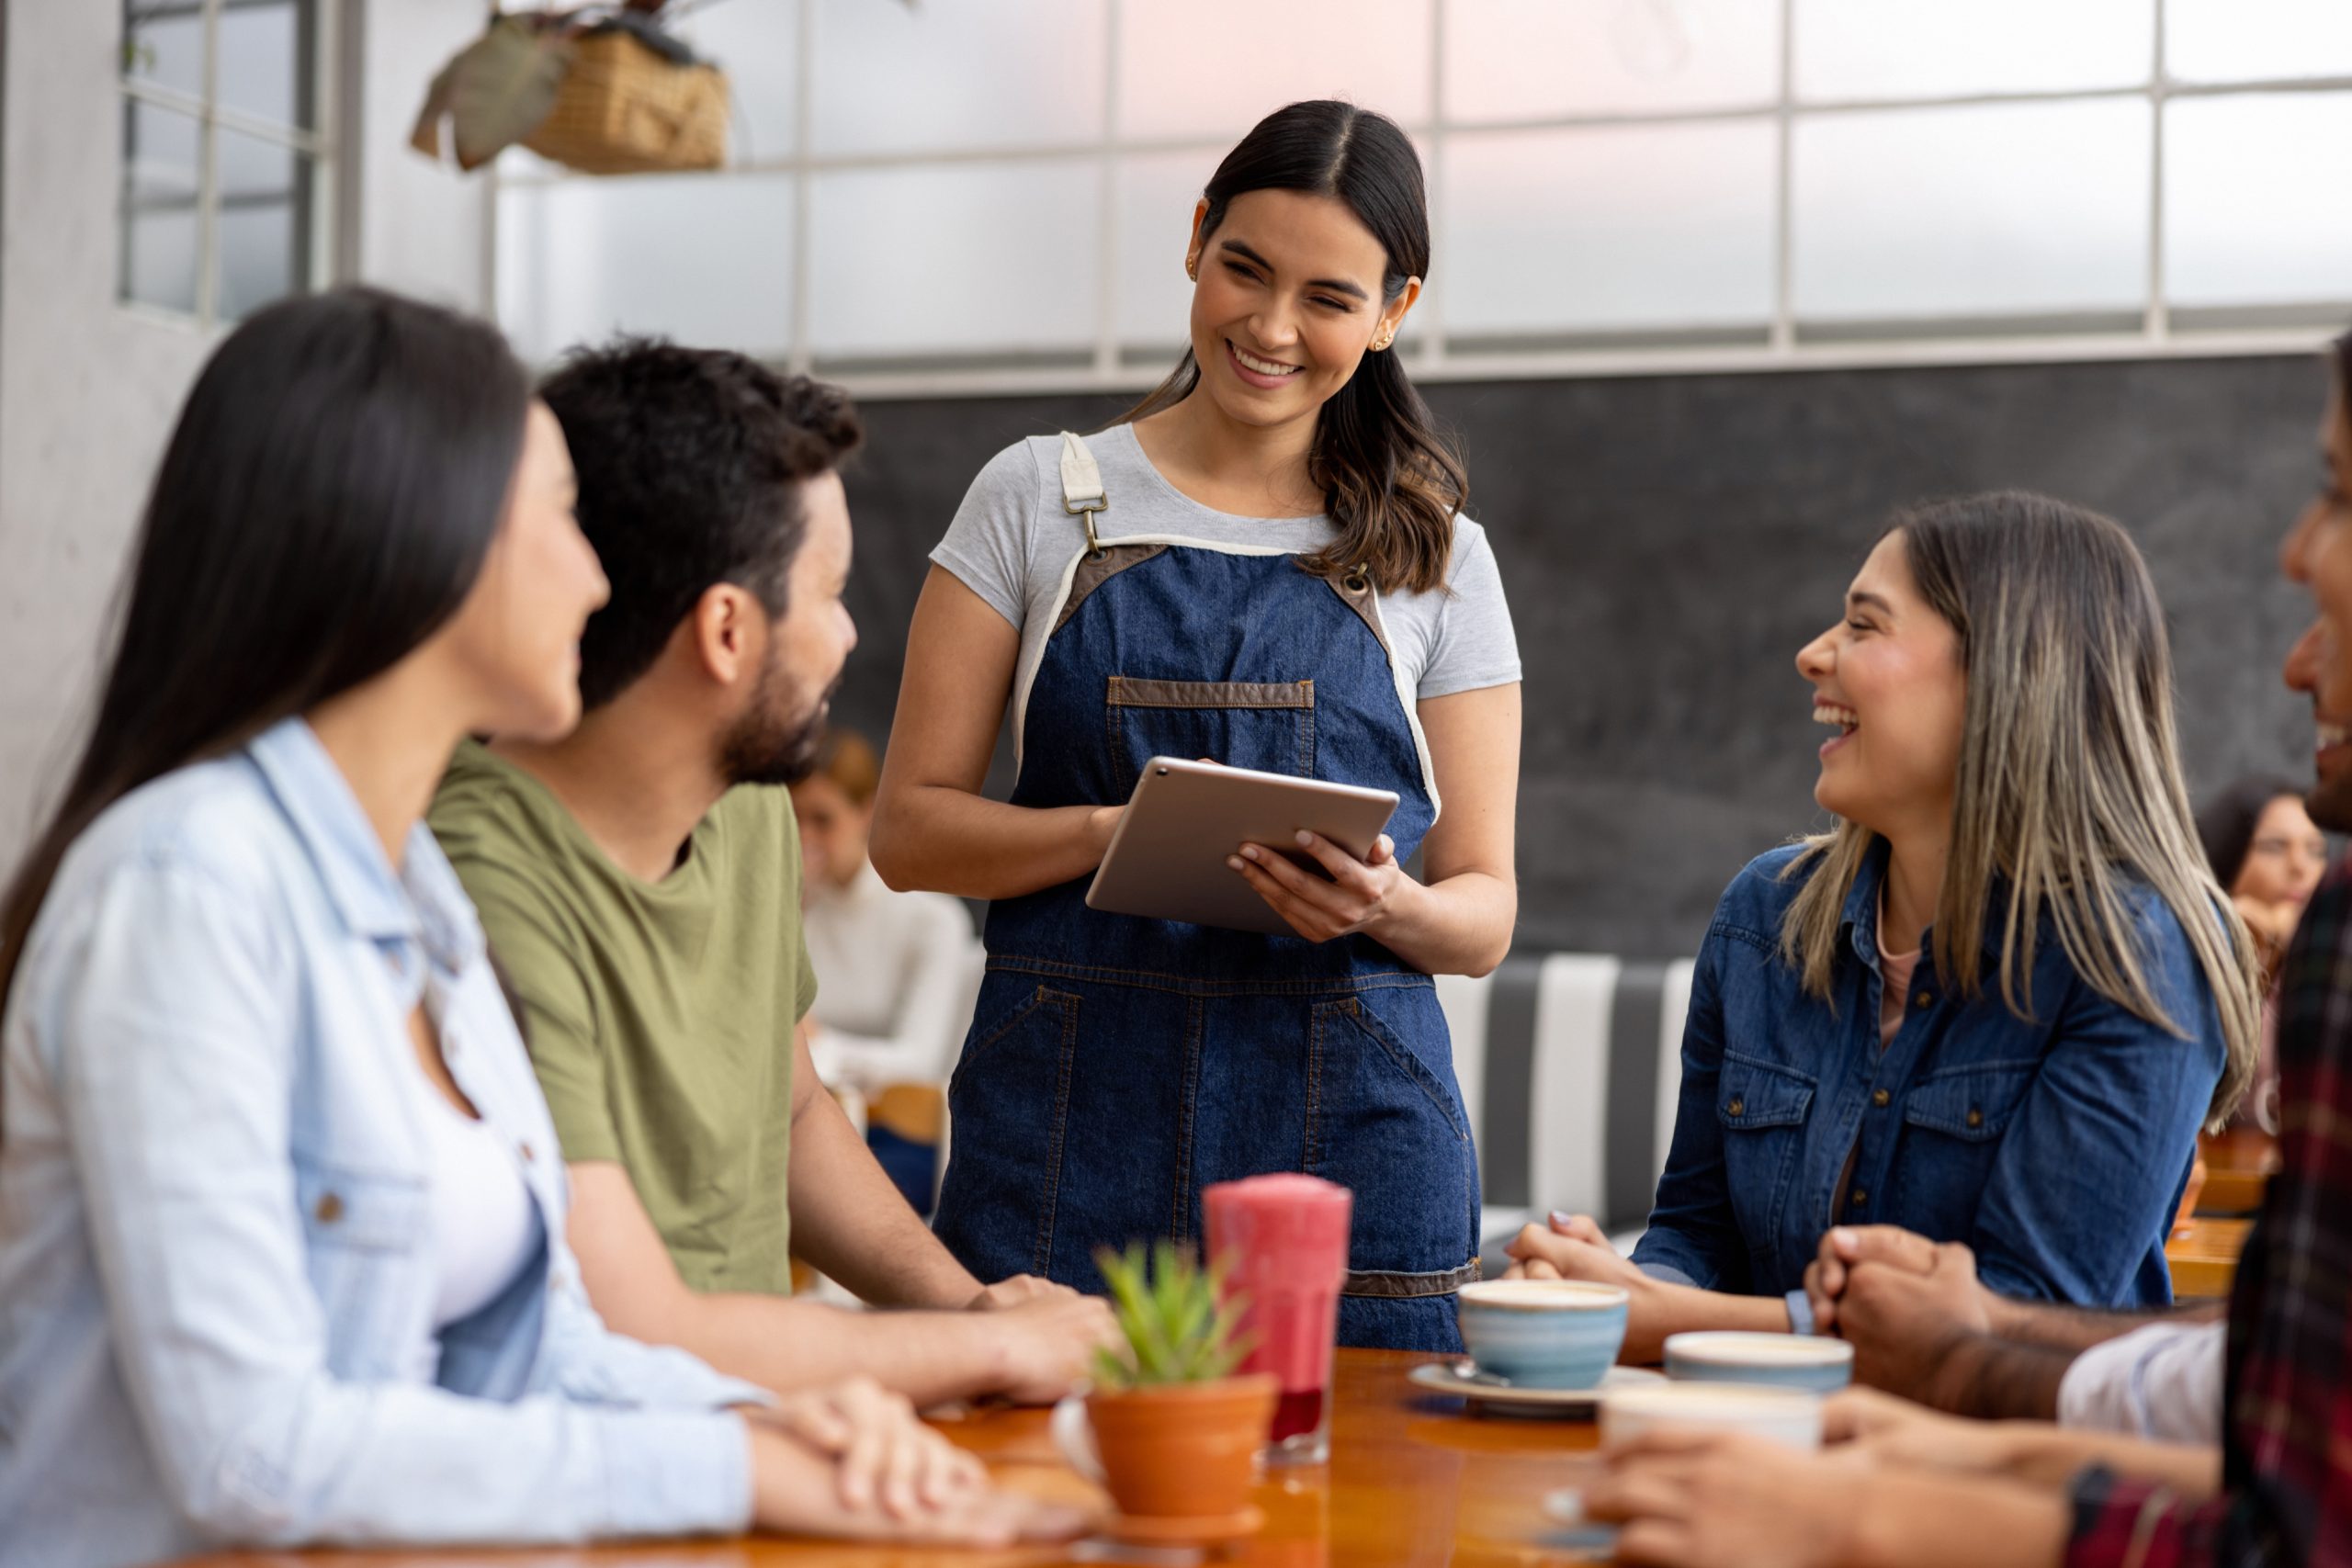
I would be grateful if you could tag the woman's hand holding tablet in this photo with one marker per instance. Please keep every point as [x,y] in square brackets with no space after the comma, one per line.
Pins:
[1338,894]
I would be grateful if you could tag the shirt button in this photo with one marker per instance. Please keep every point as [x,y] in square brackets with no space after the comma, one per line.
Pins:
[1879,1097]
[1922,999]
[1737,1106]
[1861,1199]
[330,1208]
[1976,1118]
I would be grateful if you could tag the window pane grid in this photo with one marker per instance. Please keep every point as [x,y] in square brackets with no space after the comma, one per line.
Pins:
[1763,275]
[224,170]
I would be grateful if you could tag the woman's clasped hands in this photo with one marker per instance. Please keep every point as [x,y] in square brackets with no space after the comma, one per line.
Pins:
[852,1460]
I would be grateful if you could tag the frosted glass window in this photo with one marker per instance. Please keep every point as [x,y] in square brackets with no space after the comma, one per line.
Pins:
[2250,219]
[2240,40]
[705,261]
[1157,191]
[262,71]
[162,44]
[1549,58]
[160,229]
[1904,49]
[757,43]
[2006,210]
[1619,229]
[264,222]
[1000,259]
[1214,68]
[957,74]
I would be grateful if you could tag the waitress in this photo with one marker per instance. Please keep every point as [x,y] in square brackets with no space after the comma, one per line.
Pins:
[1265,564]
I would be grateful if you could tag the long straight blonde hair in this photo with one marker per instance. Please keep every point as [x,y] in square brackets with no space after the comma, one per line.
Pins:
[2069,786]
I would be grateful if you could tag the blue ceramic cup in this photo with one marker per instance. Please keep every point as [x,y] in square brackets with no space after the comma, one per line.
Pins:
[1543,1333]
[1781,1361]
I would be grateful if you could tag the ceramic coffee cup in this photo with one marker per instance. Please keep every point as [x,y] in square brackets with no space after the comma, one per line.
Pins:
[1788,1416]
[1782,1360]
[1543,1333]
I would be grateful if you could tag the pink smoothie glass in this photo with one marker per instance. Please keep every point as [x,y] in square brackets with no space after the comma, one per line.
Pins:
[1283,1243]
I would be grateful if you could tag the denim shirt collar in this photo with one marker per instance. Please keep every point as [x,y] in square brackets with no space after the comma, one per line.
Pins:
[1859,918]
[421,904]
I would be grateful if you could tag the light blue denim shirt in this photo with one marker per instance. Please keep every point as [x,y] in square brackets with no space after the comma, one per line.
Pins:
[2056,1146]
[217,1264]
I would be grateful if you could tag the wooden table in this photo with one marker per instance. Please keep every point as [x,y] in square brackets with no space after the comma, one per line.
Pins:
[2204,1258]
[2238,1163]
[1412,1479]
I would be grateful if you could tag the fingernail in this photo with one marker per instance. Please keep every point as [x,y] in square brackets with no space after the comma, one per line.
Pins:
[1250,851]
[1840,1237]
[1234,862]
[1562,1219]
[1305,838]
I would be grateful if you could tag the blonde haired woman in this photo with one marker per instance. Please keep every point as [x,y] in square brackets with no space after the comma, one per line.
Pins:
[1995,1002]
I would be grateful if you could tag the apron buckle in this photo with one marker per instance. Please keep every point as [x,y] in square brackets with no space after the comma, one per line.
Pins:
[1086,510]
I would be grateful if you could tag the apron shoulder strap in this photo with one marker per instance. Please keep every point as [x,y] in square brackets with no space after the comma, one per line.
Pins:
[1081,476]
[1083,486]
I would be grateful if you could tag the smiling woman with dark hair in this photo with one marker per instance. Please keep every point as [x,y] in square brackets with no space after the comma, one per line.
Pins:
[1275,574]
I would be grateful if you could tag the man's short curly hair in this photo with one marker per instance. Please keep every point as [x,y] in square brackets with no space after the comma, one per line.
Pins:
[691,462]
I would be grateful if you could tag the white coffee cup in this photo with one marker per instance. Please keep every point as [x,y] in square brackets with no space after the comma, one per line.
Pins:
[1073,1433]
[1783,1415]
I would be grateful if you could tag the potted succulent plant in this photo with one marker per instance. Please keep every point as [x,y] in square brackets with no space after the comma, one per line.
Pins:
[1176,1432]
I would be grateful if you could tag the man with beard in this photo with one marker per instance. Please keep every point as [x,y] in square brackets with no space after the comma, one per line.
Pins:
[639,882]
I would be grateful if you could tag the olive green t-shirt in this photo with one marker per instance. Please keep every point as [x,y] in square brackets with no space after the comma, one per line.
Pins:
[661,1014]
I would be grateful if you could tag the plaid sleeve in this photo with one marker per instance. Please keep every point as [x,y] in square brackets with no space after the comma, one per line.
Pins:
[2288,1442]
[2134,1524]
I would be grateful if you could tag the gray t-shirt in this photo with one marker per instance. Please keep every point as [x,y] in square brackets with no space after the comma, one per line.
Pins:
[1013,544]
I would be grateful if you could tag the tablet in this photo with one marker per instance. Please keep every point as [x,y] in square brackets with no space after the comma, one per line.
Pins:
[1167,857]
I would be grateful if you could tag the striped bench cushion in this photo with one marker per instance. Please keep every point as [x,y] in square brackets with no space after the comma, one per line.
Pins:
[1571,1064]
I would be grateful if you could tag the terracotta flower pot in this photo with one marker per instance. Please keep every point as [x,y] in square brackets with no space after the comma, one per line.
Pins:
[1184,1450]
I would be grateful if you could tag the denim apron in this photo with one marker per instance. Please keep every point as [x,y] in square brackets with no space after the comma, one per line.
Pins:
[1117,1065]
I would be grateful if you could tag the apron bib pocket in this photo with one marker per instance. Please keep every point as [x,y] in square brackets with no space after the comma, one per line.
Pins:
[1265,725]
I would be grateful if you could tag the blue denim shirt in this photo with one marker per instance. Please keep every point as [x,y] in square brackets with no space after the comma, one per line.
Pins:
[2056,1147]
[216,1250]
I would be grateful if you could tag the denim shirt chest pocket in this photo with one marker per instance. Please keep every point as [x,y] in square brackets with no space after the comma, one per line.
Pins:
[365,1234]
[1954,1119]
[1761,1107]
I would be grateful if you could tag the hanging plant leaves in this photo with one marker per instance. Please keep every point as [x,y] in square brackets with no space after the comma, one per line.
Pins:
[496,92]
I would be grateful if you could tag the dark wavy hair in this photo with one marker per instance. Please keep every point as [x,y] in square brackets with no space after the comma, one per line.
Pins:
[691,462]
[1391,480]
[325,505]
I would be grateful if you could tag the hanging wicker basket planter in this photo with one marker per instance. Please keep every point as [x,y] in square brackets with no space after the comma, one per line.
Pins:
[602,92]
[623,108]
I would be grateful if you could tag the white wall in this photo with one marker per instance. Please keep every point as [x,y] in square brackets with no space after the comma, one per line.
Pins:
[89,390]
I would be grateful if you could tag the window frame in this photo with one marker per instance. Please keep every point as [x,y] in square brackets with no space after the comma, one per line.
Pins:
[315,146]
[1789,342]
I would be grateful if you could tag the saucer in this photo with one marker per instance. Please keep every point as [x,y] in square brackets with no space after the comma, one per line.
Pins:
[1152,1529]
[1594,1542]
[1486,1391]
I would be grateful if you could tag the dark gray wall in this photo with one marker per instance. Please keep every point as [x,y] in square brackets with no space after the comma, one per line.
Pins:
[1668,543]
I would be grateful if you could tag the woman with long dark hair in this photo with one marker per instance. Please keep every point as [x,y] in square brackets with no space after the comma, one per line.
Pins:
[1265,563]
[282,1253]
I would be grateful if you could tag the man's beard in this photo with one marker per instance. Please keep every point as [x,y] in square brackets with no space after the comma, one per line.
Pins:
[768,746]
[2330,804]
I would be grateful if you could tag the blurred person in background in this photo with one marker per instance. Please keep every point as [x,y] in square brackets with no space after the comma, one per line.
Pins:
[2269,856]
[894,971]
